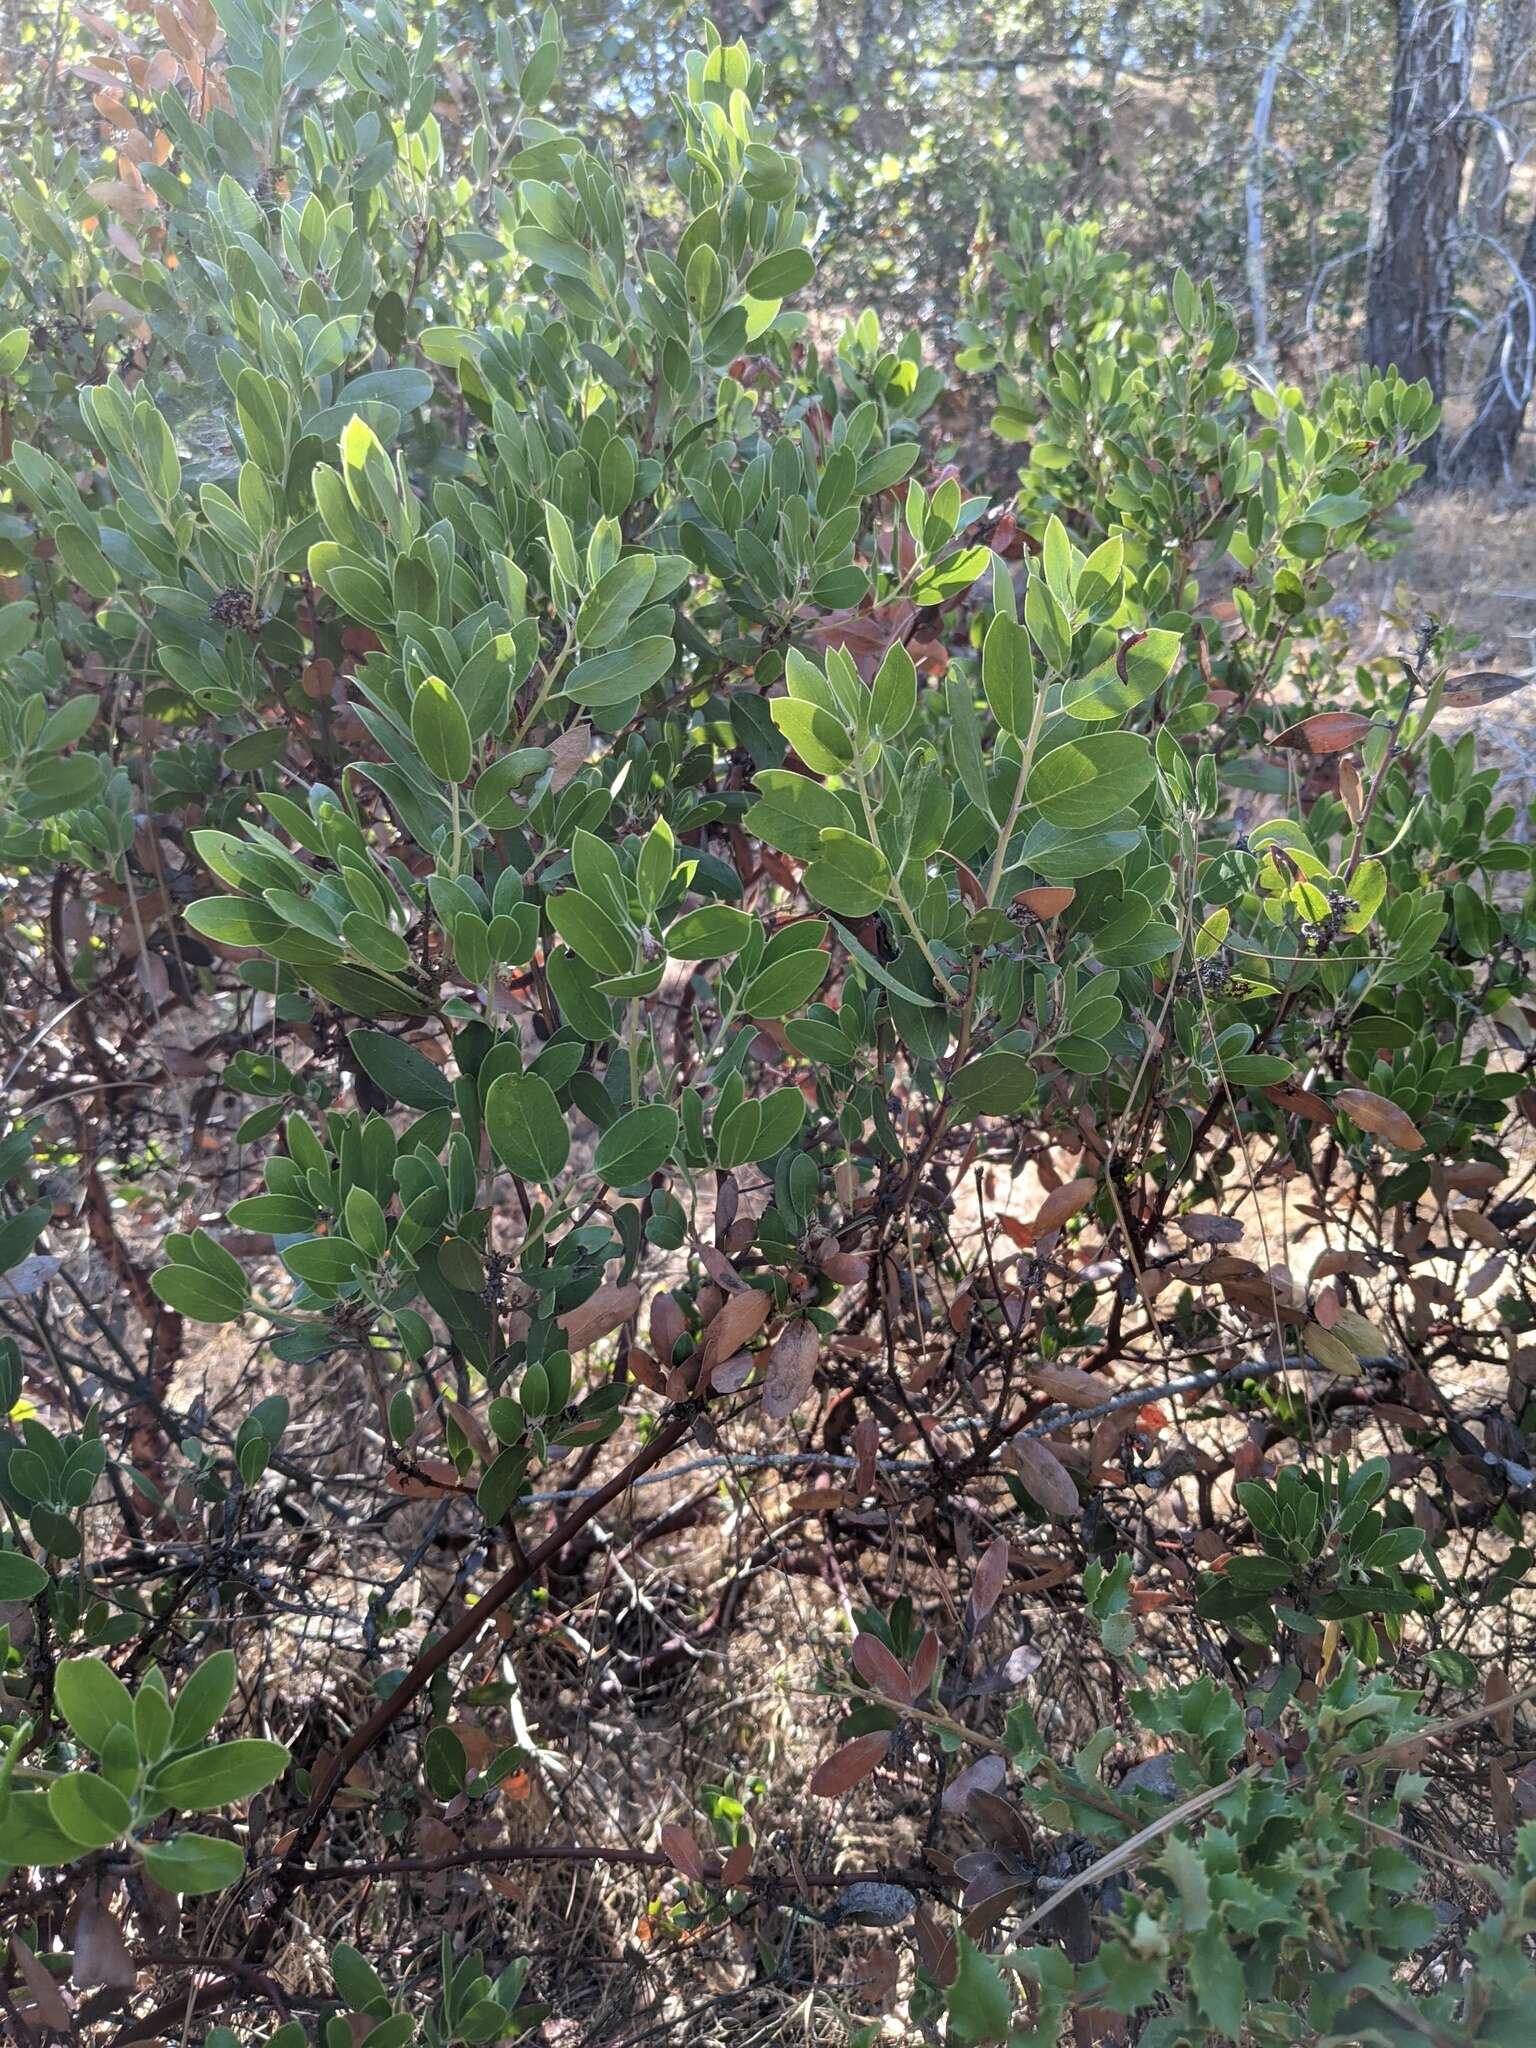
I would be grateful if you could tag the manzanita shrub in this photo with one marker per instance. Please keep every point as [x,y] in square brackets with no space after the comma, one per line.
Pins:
[732,943]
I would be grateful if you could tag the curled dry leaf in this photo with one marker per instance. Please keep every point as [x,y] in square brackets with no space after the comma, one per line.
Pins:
[1210,1229]
[101,1957]
[608,1310]
[1476,1225]
[667,1326]
[682,1851]
[925,1663]
[1046,903]
[47,2000]
[1007,1675]
[731,1374]
[866,1444]
[1299,1102]
[878,1668]
[741,1316]
[1326,732]
[1066,1384]
[1483,686]
[1043,1476]
[991,1577]
[986,1774]
[843,1769]
[791,1369]
[1063,1203]
[1383,1119]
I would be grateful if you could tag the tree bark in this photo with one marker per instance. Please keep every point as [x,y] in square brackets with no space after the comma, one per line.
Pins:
[1485,452]
[1412,258]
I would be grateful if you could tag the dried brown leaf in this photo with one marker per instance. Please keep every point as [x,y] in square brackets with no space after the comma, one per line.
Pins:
[1326,732]
[1482,686]
[791,1369]
[1044,1478]
[878,1668]
[1383,1119]
[843,1769]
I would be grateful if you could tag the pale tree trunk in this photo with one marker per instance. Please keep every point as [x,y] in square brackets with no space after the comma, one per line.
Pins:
[1258,283]
[1485,452]
[1495,146]
[1412,258]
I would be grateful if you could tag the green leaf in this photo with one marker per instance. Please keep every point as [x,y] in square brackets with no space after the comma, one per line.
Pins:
[893,699]
[19,1233]
[201,1702]
[89,1810]
[92,1699]
[623,673]
[965,739]
[328,1261]
[1085,782]
[709,933]
[998,1083]
[527,1127]
[978,2002]
[220,1775]
[441,731]
[191,1865]
[32,1836]
[939,581]
[793,812]
[13,350]
[591,933]
[404,1074]
[786,984]
[849,875]
[618,595]
[236,920]
[20,1578]
[779,275]
[815,735]
[1008,675]
[632,1148]
[192,1292]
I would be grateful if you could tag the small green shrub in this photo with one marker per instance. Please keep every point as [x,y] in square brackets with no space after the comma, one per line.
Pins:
[630,802]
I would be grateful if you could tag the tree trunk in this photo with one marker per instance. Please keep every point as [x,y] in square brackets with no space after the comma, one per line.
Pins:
[1486,450]
[1496,147]
[1257,266]
[1412,260]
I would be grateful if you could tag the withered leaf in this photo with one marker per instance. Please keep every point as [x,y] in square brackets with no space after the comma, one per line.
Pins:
[1483,686]
[1020,1663]
[741,1316]
[682,1851]
[608,1310]
[878,1668]
[986,1774]
[101,1955]
[791,1369]
[1383,1119]
[991,1577]
[1326,732]
[1201,1229]
[1063,1203]
[843,1769]
[1046,903]
[1066,1384]
[1045,1479]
